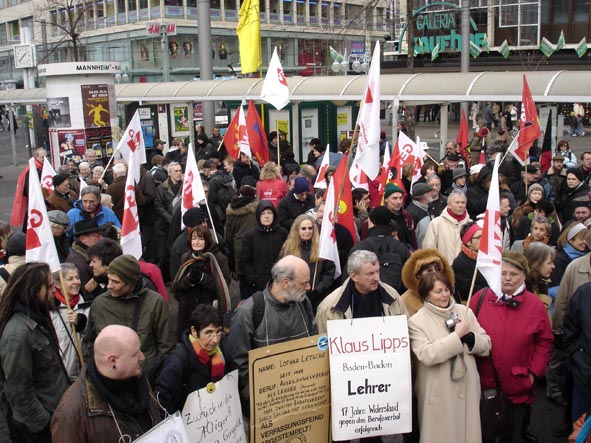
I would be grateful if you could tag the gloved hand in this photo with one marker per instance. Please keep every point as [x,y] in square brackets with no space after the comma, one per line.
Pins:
[195,275]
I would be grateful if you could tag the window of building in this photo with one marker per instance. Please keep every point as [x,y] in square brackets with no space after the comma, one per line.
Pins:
[14,34]
[337,11]
[560,11]
[3,36]
[581,11]
[325,13]
[301,12]
[274,10]
[110,12]
[288,11]
[545,8]
[354,15]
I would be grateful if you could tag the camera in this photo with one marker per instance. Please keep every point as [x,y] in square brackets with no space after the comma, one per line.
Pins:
[452,321]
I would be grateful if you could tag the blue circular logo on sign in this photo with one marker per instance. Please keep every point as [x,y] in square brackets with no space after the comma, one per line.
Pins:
[323,342]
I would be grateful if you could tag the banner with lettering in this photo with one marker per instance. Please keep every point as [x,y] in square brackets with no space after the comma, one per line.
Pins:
[290,392]
[213,414]
[169,430]
[370,379]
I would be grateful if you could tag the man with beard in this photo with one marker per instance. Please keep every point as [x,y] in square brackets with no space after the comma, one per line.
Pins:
[279,313]
[111,398]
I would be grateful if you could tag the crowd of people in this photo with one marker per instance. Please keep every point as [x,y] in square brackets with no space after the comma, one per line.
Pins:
[72,346]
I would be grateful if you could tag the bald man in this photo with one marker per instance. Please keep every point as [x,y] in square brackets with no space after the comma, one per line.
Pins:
[280,313]
[111,397]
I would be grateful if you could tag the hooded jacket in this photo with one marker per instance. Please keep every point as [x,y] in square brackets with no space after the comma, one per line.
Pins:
[240,218]
[290,207]
[221,191]
[411,268]
[260,249]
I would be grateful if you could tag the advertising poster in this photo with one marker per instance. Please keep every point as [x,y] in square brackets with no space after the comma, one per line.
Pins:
[101,140]
[180,115]
[309,126]
[95,102]
[213,414]
[72,143]
[344,119]
[58,110]
[370,377]
[290,392]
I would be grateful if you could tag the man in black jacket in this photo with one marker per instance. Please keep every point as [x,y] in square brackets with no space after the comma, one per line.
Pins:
[295,203]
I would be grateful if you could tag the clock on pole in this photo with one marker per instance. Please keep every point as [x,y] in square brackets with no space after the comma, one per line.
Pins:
[24,56]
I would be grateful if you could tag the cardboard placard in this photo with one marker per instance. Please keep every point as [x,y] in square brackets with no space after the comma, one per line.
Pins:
[170,430]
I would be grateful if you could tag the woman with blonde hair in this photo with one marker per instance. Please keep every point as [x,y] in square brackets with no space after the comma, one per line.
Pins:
[540,258]
[303,241]
[271,186]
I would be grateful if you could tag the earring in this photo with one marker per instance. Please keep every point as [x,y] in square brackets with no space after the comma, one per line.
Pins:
[114,367]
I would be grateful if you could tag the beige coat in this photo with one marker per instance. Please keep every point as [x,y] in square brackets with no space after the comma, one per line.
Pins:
[448,410]
[327,312]
[443,234]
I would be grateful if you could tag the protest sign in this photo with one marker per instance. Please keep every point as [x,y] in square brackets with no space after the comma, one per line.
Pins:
[370,378]
[213,414]
[171,430]
[289,392]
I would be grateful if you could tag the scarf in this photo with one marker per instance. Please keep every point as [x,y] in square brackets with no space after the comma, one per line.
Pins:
[529,239]
[457,218]
[572,252]
[363,306]
[464,188]
[74,299]
[215,360]
[469,252]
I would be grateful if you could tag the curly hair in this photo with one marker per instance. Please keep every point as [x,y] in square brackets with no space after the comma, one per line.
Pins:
[292,244]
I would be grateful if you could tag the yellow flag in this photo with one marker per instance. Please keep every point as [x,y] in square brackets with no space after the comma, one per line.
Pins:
[249,35]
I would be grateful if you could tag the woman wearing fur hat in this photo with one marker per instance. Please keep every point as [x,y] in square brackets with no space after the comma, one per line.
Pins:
[421,263]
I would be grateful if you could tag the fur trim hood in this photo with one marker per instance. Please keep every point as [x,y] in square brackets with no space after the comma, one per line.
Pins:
[419,259]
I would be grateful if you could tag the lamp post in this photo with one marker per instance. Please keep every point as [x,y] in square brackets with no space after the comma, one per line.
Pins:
[358,63]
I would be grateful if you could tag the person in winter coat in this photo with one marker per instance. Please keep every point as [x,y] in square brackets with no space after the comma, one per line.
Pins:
[244,167]
[240,218]
[521,357]
[478,193]
[111,401]
[465,263]
[296,202]
[540,259]
[571,245]
[563,149]
[33,374]
[421,263]
[260,250]
[89,207]
[65,319]
[16,251]
[196,362]
[576,190]
[443,232]
[535,194]
[203,277]
[221,190]
[447,381]
[543,208]
[271,186]
[61,198]
[540,232]
[303,242]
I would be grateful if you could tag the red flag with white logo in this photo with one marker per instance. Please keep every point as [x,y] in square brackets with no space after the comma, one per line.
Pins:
[328,240]
[256,135]
[275,90]
[47,176]
[243,140]
[344,198]
[368,143]
[529,126]
[410,153]
[490,254]
[193,192]
[231,136]
[321,177]
[132,145]
[40,246]
[131,241]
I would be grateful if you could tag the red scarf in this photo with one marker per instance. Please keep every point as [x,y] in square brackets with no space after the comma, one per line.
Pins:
[215,360]
[74,299]
[469,252]
[458,218]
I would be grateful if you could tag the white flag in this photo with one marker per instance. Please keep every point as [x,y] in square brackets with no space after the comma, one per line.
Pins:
[321,177]
[132,145]
[243,142]
[82,186]
[411,153]
[131,241]
[490,254]
[193,191]
[47,176]
[328,239]
[275,89]
[39,244]
[368,143]
[357,177]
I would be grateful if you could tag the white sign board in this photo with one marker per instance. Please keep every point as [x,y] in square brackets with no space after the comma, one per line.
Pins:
[170,430]
[370,378]
[215,416]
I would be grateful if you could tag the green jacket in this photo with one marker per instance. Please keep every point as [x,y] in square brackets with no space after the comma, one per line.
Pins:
[153,326]
[35,377]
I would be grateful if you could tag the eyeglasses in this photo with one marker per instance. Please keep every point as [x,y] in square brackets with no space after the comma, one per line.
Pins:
[477,237]
[211,335]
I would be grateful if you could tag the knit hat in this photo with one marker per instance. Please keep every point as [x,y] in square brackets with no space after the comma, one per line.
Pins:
[126,267]
[300,185]
[535,186]
[59,179]
[545,206]
[247,191]
[391,188]
[420,189]
[517,259]
[577,173]
[380,216]
[574,230]
[531,169]
[194,217]
[248,180]
[16,245]
[459,172]
[58,217]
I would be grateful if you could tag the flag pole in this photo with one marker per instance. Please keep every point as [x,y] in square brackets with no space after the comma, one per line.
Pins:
[470,292]
[278,143]
[74,333]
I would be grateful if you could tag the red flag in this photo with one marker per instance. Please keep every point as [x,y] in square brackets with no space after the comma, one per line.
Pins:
[342,186]
[462,138]
[230,139]
[529,125]
[256,135]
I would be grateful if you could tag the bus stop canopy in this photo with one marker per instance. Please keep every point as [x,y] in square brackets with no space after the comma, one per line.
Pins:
[546,87]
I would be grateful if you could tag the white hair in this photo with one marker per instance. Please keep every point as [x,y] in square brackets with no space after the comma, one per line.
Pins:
[119,170]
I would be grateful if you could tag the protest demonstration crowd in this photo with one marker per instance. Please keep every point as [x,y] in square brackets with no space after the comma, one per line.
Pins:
[484,253]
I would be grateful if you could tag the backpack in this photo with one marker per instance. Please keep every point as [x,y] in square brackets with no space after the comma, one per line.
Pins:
[390,261]
[154,368]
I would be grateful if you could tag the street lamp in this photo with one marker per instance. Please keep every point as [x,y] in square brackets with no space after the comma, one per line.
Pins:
[358,63]
[119,78]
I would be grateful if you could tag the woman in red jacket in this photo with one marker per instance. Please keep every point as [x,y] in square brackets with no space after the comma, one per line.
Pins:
[521,337]
[271,186]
